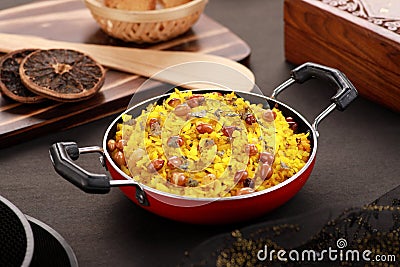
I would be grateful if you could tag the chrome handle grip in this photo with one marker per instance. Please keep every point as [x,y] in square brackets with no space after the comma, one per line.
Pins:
[62,155]
[345,90]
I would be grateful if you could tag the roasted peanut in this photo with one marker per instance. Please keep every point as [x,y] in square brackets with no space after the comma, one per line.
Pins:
[250,119]
[175,141]
[240,176]
[269,115]
[228,130]
[292,124]
[178,178]
[251,149]
[174,162]
[111,145]
[266,157]
[182,110]
[204,128]
[155,165]
[195,101]
[120,144]
[119,158]
[265,171]
[174,102]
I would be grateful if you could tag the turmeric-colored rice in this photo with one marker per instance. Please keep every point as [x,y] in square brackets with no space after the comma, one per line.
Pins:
[209,159]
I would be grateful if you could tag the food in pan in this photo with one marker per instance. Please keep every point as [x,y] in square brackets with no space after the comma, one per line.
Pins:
[293,138]
[209,145]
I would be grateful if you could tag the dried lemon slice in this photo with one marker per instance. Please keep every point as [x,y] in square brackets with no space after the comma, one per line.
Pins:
[62,74]
[10,80]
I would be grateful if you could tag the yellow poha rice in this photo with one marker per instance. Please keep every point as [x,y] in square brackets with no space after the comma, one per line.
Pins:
[209,160]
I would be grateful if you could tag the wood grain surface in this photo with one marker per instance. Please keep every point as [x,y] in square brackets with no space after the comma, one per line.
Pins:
[366,52]
[69,20]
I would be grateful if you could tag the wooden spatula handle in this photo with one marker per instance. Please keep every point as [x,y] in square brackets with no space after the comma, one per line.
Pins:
[146,62]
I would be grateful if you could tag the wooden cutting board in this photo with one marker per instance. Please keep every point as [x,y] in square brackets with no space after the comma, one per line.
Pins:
[70,20]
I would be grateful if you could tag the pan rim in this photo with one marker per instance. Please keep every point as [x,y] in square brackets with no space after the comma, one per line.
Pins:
[148,189]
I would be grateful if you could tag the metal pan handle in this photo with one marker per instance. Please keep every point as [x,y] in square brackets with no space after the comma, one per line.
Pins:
[346,92]
[63,154]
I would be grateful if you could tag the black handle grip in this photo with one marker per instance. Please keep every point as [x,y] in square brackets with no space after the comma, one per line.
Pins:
[346,92]
[62,154]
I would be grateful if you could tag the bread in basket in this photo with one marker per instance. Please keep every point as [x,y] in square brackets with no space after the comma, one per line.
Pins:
[149,26]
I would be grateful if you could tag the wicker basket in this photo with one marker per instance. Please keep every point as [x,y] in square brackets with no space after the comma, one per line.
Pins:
[146,26]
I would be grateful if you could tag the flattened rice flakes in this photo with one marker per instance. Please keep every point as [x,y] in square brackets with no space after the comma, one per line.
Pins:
[210,145]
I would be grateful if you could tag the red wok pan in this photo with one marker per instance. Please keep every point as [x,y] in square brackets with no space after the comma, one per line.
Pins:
[207,210]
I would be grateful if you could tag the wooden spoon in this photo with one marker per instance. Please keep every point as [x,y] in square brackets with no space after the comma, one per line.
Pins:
[161,65]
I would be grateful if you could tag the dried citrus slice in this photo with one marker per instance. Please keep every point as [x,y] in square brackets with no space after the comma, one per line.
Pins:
[62,74]
[10,80]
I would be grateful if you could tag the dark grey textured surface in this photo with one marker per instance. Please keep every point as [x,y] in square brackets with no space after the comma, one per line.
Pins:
[357,161]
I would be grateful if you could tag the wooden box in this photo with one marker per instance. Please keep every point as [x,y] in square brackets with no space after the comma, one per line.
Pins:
[359,37]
